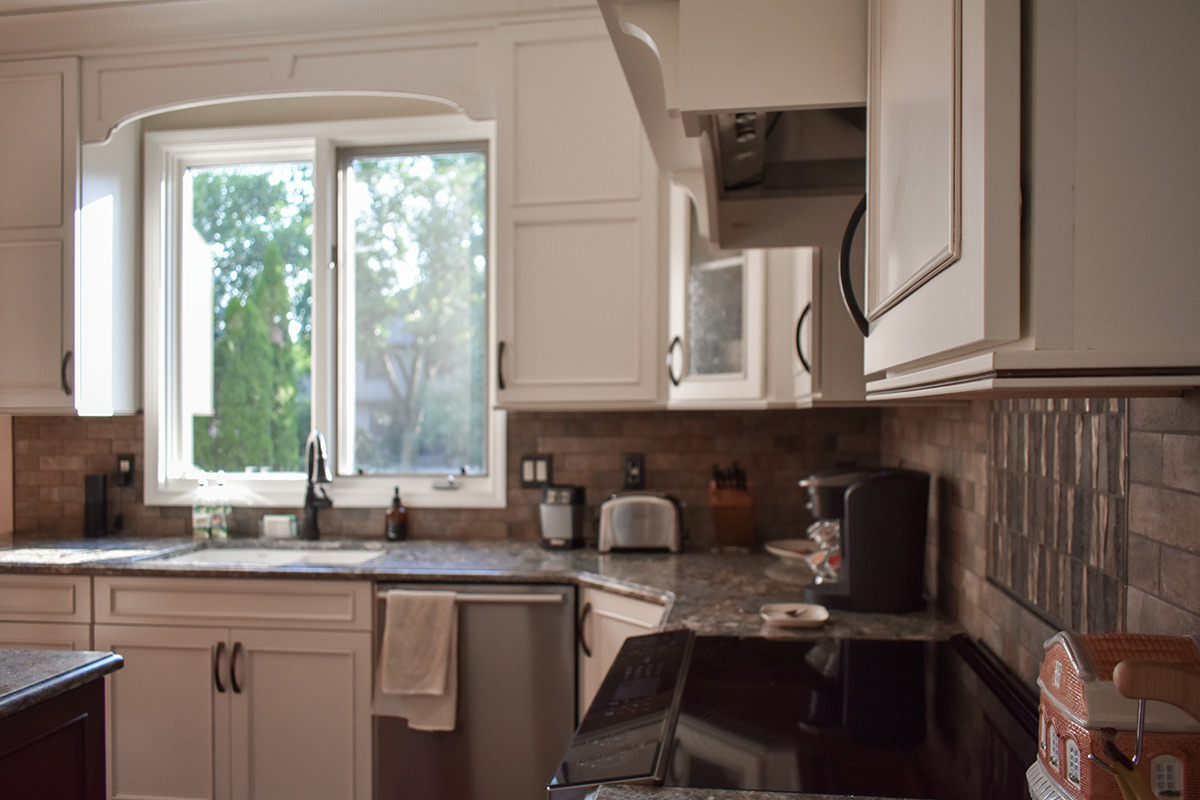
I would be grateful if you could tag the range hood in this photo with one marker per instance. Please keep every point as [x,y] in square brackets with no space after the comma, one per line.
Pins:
[757,108]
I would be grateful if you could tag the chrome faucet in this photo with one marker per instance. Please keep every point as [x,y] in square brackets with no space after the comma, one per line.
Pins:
[319,474]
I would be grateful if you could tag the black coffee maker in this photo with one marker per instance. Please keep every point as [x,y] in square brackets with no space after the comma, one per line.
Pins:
[871,531]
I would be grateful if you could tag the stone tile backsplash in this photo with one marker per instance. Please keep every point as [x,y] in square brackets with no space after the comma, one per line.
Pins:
[1047,513]
[776,447]
[1057,517]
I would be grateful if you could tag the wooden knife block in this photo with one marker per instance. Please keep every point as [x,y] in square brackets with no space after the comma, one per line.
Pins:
[732,517]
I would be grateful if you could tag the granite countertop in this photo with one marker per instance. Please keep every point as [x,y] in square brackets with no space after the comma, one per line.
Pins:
[711,593]
[28,677]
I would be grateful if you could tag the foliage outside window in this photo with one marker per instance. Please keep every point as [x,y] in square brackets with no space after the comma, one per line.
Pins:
[386,350]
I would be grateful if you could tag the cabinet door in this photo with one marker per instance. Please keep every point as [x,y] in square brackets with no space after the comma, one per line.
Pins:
[39,158]
[943,272]
[166,706]
[606,620]
[716,355]
[301,716]
[578,284]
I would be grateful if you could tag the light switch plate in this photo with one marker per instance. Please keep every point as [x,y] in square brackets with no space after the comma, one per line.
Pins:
[536,471]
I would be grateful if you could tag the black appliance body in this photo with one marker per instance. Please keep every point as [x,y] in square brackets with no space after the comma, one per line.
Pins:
[878,555]
[940,720]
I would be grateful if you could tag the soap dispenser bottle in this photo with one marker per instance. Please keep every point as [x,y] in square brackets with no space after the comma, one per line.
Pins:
[396,528]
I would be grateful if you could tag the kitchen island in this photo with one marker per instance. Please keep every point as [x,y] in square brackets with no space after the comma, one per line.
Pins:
[52,723]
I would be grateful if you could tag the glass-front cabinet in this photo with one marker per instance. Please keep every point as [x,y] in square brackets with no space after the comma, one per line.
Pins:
[715,353]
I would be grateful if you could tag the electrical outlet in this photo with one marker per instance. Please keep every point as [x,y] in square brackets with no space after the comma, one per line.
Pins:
[633,470]
[125,469]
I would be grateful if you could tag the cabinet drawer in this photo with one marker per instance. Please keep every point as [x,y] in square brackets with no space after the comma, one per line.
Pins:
[45,598]
[45,636]
[333,605]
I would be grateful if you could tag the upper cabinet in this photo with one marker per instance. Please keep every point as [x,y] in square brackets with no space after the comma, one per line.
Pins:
[758,327]
[67,252]
[717,317]
[758,109]
[579,288]
[39,159]
[1031,189]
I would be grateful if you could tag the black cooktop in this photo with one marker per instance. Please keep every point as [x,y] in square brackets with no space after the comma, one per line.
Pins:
[905,719]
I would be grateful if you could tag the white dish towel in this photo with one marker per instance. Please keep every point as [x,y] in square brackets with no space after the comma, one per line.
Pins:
[416,676]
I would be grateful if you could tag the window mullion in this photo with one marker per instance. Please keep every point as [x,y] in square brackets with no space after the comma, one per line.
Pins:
[325,294]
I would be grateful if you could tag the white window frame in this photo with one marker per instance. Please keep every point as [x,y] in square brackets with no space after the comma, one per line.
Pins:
[166,155]
[1167,776]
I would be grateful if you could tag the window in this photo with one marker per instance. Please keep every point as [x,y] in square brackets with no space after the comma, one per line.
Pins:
[1166,775]
[329,276]
[1073,765]
[1052,735]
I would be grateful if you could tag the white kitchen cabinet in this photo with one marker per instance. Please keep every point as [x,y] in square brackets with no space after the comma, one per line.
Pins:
[1093,290]
[67,258]
[826,349]
[606,620]
[780,338]
[39,159]
[240,688]
[579,289]
[45,612]
[943,270]
[716,355]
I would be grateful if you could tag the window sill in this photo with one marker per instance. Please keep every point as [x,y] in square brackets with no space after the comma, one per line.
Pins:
[351,492]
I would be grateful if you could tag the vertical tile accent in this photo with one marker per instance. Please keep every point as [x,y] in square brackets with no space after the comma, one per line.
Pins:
[1061,516]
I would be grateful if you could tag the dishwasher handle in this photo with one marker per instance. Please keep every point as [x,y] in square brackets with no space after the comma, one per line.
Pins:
[528,598]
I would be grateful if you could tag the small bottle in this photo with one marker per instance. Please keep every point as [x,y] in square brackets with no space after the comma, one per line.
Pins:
[201,512]
[396,528]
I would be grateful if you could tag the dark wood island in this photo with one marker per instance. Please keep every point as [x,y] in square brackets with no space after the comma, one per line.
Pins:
[52,723]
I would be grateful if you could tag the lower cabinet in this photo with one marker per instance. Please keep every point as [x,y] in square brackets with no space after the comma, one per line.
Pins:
[606,620]
[45,612]
[233,710]
[55,748]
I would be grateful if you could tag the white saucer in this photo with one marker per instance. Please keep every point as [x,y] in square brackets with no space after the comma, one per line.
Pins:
[791,548]
[794,615]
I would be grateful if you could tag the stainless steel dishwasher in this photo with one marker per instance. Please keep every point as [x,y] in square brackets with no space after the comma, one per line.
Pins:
[516,700]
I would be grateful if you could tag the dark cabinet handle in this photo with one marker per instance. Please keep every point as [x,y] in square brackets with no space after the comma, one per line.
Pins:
[583,615]
[217,653]
[676,342]
[233,659]
[799,345]
[62,374]
[847,287]
[500,364]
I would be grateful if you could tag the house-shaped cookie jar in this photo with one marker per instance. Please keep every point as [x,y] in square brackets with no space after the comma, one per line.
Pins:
[1081,706]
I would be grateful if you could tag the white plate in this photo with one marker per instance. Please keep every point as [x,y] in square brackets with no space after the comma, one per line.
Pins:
[794,615]
[791,548]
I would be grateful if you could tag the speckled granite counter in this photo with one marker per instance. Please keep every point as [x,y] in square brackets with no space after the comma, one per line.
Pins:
[29,677]
[710,593]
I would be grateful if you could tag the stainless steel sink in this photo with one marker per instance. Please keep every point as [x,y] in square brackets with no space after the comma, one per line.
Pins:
[272,556]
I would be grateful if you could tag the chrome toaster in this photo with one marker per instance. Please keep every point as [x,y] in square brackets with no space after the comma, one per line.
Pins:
[640,521]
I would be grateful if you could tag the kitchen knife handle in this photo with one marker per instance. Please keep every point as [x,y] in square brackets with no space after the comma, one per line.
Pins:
[583,615]
[799,344]
[500,364]
[856,312]
[233,681]
[676,342]
[216,666]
